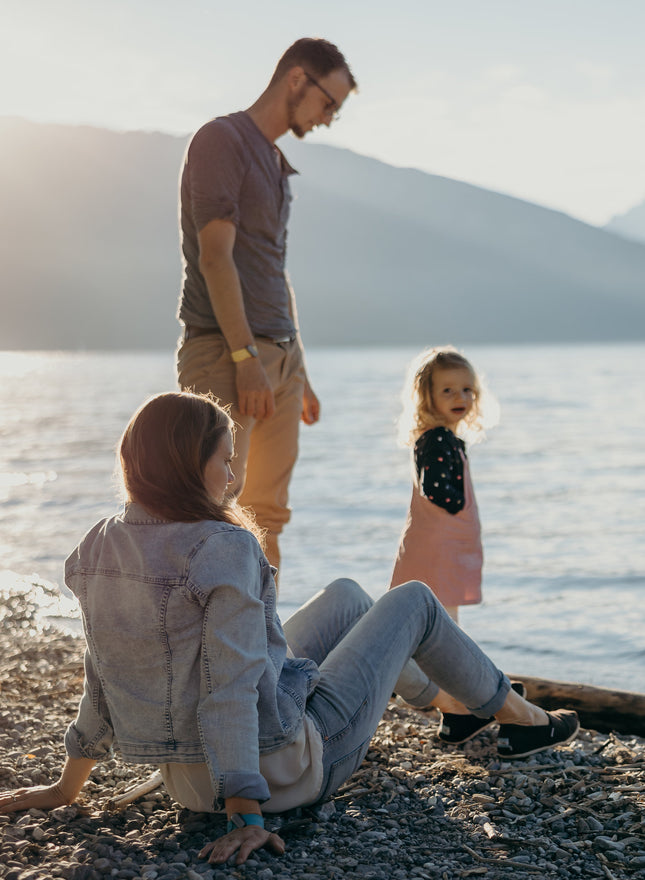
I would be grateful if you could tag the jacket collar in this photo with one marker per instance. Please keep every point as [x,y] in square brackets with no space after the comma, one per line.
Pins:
[136,514]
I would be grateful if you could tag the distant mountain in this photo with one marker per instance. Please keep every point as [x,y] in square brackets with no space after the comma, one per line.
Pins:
[631,224]
[88,237]
[90,256]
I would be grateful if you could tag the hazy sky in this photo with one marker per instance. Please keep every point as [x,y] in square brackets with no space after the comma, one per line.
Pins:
[542,100]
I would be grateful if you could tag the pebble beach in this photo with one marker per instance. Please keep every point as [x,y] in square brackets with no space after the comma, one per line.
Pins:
[416,808]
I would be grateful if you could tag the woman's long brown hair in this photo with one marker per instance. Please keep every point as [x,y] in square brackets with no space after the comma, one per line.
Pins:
[163,453]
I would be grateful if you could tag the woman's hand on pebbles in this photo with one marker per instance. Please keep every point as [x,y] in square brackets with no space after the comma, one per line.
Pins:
[243,841]
[40,797]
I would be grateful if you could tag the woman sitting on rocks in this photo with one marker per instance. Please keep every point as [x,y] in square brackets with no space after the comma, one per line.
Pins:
[189,668]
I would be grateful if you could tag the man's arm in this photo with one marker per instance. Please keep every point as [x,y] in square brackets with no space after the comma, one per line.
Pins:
[216,240]
[310,403]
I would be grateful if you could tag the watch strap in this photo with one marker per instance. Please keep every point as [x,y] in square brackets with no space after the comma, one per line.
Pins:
[241,354]
[240,820]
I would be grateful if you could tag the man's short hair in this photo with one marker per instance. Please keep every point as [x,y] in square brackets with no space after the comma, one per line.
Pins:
[318,57]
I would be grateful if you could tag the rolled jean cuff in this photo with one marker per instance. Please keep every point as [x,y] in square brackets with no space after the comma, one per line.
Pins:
[496,702]
[414,687]
[425,698]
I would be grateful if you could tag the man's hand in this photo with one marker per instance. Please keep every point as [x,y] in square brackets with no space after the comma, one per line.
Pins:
[254,392]
[243,841]
[39,797]
[310,405]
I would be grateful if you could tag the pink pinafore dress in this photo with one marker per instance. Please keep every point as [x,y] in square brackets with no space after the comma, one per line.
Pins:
[442,549]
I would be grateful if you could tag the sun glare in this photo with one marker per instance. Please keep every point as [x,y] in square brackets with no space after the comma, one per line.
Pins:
[9,481]
[18,364]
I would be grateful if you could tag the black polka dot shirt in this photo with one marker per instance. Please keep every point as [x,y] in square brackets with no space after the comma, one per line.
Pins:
[440,468]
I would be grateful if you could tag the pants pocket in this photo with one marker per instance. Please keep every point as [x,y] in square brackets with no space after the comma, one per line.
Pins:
[341,770]
[203,364]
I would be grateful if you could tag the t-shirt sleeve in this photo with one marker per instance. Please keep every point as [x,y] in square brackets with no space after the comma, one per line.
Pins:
[440,469]
[215,170]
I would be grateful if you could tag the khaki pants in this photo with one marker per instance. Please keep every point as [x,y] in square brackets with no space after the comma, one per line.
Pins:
[266,450]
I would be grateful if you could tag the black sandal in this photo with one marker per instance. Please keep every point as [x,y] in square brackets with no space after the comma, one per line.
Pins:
[457,729]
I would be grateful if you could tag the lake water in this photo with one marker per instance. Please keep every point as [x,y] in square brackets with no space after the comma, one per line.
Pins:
[560,484]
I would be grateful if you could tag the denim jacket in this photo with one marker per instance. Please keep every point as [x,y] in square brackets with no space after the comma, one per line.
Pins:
[186,657]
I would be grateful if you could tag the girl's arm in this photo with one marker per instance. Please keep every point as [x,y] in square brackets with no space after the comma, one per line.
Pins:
[440,469]
[47,797]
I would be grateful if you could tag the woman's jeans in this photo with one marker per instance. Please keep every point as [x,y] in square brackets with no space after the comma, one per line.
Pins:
[362,647]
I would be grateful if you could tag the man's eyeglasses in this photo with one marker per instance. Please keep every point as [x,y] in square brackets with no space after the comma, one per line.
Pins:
[331,108]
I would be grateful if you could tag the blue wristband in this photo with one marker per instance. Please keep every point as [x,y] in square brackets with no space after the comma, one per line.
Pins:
[240,820]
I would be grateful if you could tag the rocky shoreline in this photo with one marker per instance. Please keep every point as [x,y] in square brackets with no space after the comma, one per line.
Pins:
[416,809]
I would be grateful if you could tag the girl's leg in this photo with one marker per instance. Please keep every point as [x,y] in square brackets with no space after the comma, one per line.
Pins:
[359,674]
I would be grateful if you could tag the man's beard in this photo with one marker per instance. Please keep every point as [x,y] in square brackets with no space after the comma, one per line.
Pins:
[292,106]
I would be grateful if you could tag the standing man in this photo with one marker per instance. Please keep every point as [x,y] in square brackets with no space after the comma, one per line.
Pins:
[241,339]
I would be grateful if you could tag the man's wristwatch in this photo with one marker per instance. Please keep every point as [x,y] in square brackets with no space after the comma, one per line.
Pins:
[239,820]
[241,354]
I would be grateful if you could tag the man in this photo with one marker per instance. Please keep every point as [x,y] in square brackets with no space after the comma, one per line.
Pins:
[241,338]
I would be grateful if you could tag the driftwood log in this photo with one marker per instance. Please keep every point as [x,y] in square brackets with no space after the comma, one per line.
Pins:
[599,708]
[121,801]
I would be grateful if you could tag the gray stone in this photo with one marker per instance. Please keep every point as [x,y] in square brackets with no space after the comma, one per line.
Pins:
[384,833]
[372,835]
[606,843]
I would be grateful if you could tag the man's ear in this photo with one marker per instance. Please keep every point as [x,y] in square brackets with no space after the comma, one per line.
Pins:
[296,77]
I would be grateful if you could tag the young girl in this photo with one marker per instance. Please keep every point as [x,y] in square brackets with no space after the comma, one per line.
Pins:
[187,665]
[441,541]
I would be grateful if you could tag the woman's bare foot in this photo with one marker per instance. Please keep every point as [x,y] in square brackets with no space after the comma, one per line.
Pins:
[448,704]
[516,710]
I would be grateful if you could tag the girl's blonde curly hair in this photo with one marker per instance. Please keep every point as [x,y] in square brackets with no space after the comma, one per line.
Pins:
[419,414]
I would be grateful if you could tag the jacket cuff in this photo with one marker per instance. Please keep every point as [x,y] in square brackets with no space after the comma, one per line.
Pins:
[99,747]
[243,785]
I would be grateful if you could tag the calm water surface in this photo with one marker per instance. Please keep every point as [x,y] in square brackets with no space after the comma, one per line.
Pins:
[560,484]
